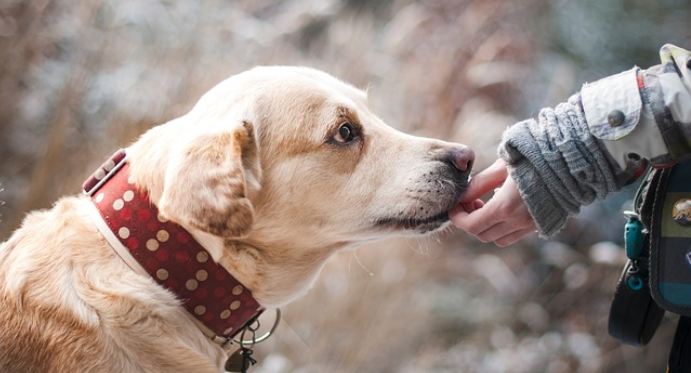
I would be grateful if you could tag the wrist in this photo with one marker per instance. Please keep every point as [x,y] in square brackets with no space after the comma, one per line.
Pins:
[547,214]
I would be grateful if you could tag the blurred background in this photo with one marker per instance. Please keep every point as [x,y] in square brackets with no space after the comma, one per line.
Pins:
[79,79]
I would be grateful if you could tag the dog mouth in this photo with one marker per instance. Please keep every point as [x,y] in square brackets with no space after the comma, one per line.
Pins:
[421,225]
[429,210]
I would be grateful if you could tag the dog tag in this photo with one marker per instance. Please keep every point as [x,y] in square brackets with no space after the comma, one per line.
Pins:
[240,360]
[236,362]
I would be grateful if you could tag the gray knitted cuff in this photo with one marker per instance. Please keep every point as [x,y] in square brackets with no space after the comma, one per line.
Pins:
[548,215]
[557,164]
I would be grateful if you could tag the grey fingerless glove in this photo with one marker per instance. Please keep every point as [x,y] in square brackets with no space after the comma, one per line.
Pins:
[557,164]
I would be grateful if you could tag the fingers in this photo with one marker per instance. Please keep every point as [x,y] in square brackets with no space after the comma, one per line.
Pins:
[485,181]
[504,219]
[507,232]
[473,222]
[512,238]
[466,207]
[501,233]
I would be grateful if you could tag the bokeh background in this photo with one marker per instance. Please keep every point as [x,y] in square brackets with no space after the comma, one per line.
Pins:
[81,78]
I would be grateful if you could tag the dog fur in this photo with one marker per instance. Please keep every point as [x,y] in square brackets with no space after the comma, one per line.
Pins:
[260,173]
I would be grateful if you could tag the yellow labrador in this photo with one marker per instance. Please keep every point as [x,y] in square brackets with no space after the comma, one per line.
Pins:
[273,171]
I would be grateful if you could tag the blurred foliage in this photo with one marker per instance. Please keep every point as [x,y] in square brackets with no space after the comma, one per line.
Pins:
[79,79]
[603,38]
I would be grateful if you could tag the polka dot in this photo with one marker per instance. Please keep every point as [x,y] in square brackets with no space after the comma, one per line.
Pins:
[118,204]
[126,213]
[202,257]
[130,180]
[225,314]
[191,284]
[128,196]
[220,275]
[182,256]
[200,310]
[202,275]
[132,243]
[162,235]
[152,245]
[162,274]
[152,226]
[150,264]
[228,331]
[219,292]
[235,305]
[99,197]
[171,284]
[201,293]
[161,218]
[208,317]
[144,215]
[123,232]
[182,237]
[100,174]
[109,165]
[237,290]
[162,255]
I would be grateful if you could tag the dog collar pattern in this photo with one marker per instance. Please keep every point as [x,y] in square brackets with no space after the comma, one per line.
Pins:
[168,253]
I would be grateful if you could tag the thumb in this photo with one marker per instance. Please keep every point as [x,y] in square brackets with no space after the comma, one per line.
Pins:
[485,181]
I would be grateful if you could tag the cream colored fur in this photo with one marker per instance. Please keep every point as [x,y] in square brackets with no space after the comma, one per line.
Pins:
[257,174]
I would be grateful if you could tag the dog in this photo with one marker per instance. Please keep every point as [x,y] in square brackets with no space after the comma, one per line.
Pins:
[272,171]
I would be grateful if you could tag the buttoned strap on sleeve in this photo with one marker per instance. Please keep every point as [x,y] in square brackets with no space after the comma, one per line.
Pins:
[619,113]
[612,105]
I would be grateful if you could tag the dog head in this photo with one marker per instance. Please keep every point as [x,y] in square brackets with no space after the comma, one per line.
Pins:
[288,159]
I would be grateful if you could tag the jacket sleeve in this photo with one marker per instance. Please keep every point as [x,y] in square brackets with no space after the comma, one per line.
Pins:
[599,140]
[644,113]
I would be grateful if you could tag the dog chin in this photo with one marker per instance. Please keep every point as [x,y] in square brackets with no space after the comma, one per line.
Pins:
[415,224]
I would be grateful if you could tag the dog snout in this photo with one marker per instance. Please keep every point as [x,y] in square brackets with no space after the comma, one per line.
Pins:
[462,158]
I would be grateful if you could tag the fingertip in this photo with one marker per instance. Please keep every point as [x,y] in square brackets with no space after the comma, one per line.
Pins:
[456,216]
[482,239]
[484,182]
[502,244]
[469,207]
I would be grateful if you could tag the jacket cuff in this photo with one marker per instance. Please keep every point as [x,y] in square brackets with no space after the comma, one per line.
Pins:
[548,215]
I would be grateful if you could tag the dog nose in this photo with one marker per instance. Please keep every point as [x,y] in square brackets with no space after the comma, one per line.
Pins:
[462,158]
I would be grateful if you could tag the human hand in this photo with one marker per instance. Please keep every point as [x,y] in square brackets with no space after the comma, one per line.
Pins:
[504,219]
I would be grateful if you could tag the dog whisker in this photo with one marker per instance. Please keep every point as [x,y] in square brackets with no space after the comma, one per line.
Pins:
[354,254]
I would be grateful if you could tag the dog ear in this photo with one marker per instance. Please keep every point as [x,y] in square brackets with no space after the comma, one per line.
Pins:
[206,187]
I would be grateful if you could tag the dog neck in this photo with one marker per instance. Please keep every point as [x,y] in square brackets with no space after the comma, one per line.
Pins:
[277,273]
[167,252]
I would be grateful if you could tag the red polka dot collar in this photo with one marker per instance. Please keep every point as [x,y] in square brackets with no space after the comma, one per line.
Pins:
[167,252]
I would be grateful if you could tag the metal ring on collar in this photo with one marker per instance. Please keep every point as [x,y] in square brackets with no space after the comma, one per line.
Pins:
[245,342]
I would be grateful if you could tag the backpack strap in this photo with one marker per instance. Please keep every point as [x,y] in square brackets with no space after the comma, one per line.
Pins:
[680,355]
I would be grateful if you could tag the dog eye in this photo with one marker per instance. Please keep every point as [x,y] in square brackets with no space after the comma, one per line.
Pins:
[345,134]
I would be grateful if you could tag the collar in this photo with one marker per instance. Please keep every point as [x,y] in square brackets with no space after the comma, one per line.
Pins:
[167,252]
